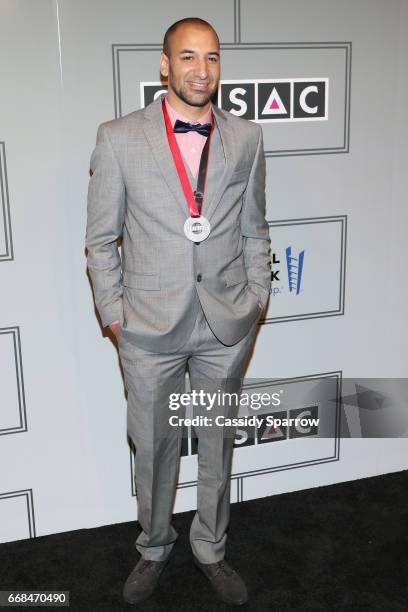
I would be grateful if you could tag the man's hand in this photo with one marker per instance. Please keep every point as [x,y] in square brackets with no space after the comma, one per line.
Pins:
[115,328]
[261,310]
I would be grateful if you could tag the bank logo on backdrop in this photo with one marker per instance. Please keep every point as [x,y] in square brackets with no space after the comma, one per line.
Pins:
[264,100]
[294,269]
[294,265]
[306,284]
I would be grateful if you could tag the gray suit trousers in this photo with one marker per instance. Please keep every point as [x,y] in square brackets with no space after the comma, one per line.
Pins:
[149,379]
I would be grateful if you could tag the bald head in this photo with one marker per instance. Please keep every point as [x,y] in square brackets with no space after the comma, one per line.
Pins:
[182,23]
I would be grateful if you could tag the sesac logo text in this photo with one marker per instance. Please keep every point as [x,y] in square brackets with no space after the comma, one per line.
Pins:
[264,100]
[290,426]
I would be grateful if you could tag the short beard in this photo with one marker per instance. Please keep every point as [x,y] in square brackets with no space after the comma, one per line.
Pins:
[197,103]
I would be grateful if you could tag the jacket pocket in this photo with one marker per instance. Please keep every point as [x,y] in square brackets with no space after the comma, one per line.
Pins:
[148,282]
[235,275]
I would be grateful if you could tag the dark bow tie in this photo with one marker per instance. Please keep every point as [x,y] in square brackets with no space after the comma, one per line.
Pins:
[181,127]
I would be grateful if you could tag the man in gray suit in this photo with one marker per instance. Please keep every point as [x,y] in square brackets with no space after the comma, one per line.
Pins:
[187,289]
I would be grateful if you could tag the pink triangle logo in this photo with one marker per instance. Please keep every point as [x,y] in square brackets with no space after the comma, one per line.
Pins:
[274,104]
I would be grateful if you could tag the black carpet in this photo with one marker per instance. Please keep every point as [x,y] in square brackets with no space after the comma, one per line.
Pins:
[341,547]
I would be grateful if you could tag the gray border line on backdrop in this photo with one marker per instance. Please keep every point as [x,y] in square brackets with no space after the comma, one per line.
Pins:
[5,204]
[28,494]
[15,331]
[346,46]
[237,21]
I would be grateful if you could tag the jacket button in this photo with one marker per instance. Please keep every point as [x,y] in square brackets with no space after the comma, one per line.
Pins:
[199,278]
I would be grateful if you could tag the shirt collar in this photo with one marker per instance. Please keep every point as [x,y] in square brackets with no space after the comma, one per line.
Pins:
[174,115]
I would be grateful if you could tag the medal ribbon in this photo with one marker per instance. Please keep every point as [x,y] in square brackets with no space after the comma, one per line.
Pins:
[194,203]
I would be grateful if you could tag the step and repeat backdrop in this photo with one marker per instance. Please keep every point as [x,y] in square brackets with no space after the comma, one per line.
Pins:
[330,100]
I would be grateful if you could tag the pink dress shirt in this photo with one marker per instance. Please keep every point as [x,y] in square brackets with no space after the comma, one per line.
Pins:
[191,144]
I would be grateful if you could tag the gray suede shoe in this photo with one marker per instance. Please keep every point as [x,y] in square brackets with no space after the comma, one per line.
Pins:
[225,581]
[143,580]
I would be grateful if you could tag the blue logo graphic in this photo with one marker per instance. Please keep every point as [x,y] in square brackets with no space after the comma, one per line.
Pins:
[295,267]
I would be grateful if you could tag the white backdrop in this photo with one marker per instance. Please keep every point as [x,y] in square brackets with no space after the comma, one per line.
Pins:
[335,188]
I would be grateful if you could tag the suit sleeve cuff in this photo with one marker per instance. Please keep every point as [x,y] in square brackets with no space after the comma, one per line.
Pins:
[112,313]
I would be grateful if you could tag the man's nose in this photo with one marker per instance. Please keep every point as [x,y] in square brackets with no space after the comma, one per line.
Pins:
[202,68]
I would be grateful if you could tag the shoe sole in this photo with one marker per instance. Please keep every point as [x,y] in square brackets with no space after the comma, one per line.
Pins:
[134,602]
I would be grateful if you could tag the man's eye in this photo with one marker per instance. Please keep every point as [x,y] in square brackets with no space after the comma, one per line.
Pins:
[213,59]
[187,57]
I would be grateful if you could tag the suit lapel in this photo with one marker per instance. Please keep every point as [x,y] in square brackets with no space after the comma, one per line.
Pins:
[155,131]
[228,145]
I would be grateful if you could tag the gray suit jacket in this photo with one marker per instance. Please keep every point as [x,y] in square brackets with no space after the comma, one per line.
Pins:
[154,283]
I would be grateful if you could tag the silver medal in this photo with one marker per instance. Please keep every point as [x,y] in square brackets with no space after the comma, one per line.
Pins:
[197,229]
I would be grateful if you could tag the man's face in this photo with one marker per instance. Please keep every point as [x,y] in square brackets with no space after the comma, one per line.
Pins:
[193,68]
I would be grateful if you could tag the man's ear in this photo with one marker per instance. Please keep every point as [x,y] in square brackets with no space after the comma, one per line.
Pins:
[164,64]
